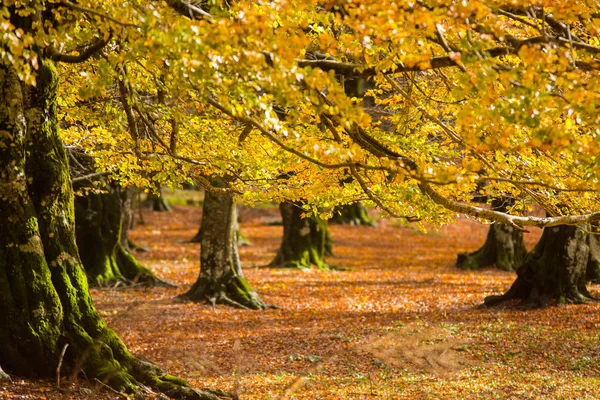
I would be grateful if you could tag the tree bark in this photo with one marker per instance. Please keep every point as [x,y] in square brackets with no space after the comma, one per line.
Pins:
[241,240]
[351,214]
[98,227]
[504,248]
[157,201]
[127,204]
[305,242]
[44,294]
[592,272]
[221,280]
[555,270]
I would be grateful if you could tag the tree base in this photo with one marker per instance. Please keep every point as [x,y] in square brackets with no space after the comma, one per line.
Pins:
[306,260]
[157,203]
[235,292]
[122,269]
[555,270]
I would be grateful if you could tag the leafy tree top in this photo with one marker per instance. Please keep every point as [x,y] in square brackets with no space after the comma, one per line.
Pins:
[481,97]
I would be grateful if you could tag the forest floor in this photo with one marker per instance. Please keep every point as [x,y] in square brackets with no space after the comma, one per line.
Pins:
[396,320]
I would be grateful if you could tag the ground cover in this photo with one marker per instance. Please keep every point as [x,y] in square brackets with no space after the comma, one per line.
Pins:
[395,321]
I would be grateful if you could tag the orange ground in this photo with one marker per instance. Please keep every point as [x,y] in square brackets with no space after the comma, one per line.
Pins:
[396,322]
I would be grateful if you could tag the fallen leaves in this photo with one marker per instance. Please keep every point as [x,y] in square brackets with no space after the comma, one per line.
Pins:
[398,322]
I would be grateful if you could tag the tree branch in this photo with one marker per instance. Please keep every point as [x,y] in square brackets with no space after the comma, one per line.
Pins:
[84,55]
[515,221]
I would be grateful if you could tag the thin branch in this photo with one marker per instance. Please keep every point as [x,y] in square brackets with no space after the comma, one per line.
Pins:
[88,52]
[515,221]
[96,13]
[533,183]
[189,10]
[90,176]
[376,199]
[276,140]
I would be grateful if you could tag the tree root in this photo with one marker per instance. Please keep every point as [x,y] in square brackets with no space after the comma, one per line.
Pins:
[235,293]
[142,377]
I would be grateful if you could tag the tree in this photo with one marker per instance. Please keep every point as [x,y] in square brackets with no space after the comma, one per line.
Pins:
[102,217]
[556,269]
[157,202]
[306,240]
[46,306]
[98,226]
[221,280]
[45,299]
[504,247]
[351,214]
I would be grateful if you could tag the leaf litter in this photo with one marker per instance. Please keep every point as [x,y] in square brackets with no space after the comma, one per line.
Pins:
[395,321]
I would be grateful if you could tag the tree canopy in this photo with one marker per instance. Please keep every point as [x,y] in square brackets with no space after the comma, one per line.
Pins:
[482,96]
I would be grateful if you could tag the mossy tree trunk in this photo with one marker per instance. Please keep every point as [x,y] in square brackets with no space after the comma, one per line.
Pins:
[44,294]
[351,214]
[504,247]
[99,225]
[555,270]
[305,242]
[221,280]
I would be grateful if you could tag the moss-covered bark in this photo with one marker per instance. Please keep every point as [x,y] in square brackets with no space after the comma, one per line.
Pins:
[221,280]
[556,269]
[44,294]
[99,222]
[305,242]
[504,248]
[352,214]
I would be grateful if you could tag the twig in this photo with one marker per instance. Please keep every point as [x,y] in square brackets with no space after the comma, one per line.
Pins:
[97,13]
[60,361]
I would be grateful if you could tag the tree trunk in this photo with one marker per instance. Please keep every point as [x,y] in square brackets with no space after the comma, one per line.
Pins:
[157,201]
[241,240]
[44,294]
[504,248]
[351,214]
[593,267]
[554,270]
[306,241]
[127,204]
[221,280]
[98,227]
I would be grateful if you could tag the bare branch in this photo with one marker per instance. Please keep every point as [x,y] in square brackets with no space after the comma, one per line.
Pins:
[517,222]
[99,14]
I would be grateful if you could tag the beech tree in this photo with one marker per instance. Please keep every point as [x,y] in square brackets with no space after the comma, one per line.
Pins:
[47,312]
[503,248]
[221,280]
[305,241]
[102,217]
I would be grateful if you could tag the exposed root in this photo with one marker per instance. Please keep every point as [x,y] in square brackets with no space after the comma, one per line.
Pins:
[235,293]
